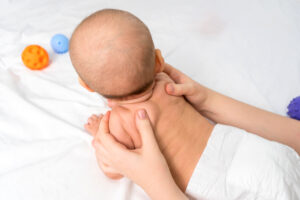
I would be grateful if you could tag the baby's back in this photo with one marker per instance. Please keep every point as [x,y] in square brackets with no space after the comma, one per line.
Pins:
[159,107]
[181,131]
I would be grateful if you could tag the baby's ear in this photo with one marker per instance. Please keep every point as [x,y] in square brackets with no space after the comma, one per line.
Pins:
[159,62]
[83,84]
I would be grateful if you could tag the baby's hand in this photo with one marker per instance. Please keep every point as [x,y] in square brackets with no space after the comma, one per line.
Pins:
[145,166]
[195,93]
[93,123]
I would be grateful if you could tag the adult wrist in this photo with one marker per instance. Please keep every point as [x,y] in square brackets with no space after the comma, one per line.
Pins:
[166,189]
[208,98]
[200,97]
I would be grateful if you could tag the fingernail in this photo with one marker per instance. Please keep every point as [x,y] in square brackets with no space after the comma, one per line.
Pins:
[142,114]
[170,88]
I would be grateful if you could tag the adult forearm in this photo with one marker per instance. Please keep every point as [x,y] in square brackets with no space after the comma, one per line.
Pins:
[222,109]
[170,191]
[225,110]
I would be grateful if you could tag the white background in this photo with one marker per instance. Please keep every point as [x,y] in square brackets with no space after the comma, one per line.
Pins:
[249,50]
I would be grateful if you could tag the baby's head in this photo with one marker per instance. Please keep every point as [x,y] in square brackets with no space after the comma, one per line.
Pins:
[113,54]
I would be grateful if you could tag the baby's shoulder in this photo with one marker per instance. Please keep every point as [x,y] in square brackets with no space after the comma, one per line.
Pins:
[119,123]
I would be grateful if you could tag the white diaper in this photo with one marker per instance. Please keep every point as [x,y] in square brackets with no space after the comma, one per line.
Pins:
[240,165]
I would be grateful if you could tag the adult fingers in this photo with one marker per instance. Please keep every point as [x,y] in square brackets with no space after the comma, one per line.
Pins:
[104,124]
[179,89]
[115,176]
[107,170]
[101,152]
[175,74]
[100,117]
[145,129]
[108,140]
[106,161]
[106,167]
[97,120]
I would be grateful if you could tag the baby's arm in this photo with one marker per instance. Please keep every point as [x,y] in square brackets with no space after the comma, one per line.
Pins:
[225,110]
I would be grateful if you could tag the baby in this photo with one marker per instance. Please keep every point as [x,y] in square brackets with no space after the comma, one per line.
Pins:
[114,55]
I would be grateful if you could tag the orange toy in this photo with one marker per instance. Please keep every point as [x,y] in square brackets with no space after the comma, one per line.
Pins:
[35,57]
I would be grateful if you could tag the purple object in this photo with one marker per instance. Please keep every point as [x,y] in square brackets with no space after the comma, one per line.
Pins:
[294,108]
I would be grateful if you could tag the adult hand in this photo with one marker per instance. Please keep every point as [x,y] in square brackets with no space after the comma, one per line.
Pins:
[92,126]
[195,93]
[146,166]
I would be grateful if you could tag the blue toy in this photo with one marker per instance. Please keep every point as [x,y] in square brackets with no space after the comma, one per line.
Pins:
[294,108]
[60,43]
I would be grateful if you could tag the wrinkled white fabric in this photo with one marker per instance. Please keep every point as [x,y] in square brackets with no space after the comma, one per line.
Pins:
[247,49]
[239,165]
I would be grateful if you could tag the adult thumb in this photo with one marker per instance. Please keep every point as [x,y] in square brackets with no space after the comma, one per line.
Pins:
[178,89]
[144,127]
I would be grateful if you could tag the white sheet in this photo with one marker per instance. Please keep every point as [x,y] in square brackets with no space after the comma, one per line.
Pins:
[239,165]
[245,49]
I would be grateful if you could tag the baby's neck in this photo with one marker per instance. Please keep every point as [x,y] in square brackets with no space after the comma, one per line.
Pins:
[139,98]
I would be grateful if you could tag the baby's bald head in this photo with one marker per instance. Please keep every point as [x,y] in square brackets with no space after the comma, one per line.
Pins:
[113,53]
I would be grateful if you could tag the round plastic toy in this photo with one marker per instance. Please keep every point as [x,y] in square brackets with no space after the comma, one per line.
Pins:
[60,43]
[35,57]
[294,108]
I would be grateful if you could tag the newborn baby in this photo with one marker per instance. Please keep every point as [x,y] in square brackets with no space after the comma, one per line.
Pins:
[113,54]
